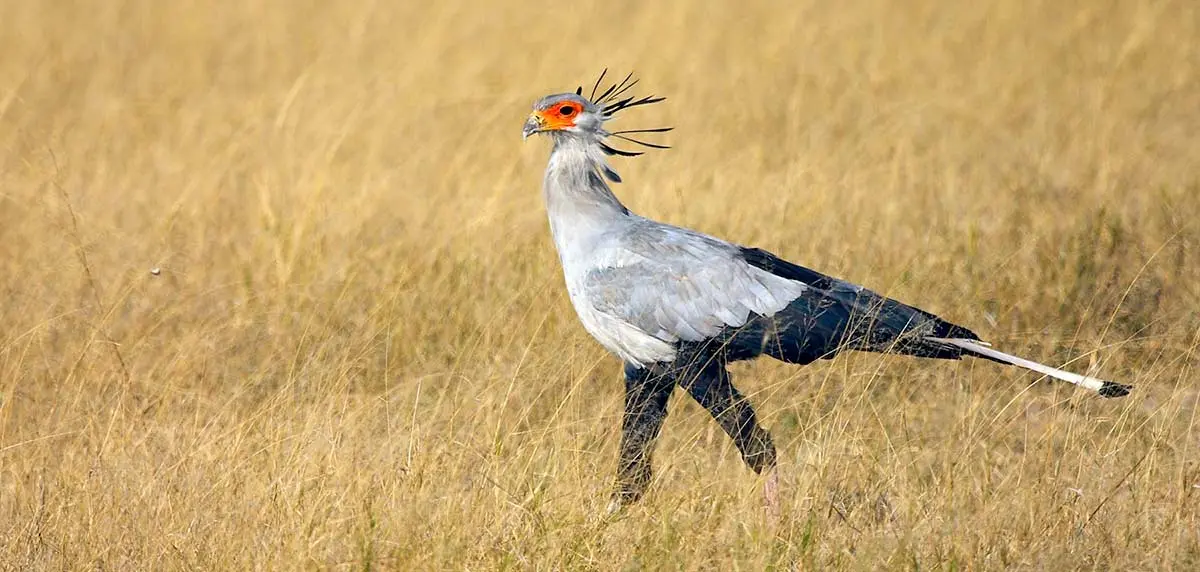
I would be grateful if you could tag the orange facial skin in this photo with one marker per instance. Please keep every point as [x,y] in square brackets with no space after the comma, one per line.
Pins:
[560,116]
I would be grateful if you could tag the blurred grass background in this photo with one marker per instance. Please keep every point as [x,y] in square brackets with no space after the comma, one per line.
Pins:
[357,351]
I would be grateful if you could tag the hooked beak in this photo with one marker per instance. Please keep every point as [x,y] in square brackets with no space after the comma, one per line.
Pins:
[535,124]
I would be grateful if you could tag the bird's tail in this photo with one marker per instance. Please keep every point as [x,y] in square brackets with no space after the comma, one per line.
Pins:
[975,347]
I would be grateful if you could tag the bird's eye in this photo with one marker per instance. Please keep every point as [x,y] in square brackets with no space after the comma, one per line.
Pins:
[566,110]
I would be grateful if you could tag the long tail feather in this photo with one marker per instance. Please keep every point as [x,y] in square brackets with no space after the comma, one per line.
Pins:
[1104,388]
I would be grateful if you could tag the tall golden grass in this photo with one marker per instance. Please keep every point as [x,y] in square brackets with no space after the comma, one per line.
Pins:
[356,351]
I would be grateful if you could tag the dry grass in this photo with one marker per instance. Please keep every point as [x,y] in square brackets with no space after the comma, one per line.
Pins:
[358,352]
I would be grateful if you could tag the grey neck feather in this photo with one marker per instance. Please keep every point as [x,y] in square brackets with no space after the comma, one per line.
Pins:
[573,176]
[579,202]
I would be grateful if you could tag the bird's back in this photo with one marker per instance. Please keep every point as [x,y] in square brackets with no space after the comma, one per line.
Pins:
[645,289]
[694,291]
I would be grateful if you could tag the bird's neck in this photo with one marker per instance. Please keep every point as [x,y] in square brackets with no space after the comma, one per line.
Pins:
[579,202]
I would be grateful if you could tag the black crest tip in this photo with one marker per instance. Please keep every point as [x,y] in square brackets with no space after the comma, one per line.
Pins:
[592,96]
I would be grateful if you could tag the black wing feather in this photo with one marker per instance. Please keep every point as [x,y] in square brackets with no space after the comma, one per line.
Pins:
[833,315]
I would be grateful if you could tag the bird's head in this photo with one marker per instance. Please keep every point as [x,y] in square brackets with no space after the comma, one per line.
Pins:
[564,113]
[573,115]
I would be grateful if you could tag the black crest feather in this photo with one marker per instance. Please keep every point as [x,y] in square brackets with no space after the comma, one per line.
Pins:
[613,100]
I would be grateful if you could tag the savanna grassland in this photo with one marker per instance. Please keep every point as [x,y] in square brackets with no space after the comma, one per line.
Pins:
[277,290]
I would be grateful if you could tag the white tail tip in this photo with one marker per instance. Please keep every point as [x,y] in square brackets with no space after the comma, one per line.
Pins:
[1100,386]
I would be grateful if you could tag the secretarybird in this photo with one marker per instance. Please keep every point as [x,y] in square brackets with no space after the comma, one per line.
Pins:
[677,305]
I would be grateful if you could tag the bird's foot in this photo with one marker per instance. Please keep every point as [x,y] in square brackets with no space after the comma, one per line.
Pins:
[620,500]
[614,507]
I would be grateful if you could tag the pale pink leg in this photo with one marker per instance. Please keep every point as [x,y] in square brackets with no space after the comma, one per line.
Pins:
[771,496]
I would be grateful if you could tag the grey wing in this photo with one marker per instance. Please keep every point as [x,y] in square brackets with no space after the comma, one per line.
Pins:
[681,286]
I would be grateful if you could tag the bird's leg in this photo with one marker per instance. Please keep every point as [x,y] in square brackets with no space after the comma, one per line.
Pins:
[771,495]
[712,388]
[646,395]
